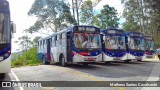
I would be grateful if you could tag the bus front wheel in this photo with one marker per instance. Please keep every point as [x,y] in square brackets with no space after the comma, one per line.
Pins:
[108,62]
[85,64]
[127,61]
[2,75]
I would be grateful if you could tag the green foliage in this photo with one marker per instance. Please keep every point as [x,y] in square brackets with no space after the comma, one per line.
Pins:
[142,16]
[107,18]
[35,40]
[52,14]
[28,58]
[86,13]
[25,42]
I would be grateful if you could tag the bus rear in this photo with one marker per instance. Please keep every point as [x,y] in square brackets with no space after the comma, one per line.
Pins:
[113,45]
[149,48]
[86,45]
[6,27]
[135,46]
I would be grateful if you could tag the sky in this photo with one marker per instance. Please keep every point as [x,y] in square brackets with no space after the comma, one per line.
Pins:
[20,8]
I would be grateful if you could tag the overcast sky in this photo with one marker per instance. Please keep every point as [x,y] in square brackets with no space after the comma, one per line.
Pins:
[20,8]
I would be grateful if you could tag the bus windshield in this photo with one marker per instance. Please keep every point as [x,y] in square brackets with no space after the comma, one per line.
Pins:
[115,42]
[149,45]
[136,43]
[87,40]
[5,36]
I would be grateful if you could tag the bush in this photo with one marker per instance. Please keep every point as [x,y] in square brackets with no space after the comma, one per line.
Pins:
[30,57]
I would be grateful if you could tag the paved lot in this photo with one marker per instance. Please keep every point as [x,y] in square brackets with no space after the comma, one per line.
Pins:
[134,71]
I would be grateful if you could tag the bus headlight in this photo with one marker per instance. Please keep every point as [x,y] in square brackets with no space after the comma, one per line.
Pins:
[1,58]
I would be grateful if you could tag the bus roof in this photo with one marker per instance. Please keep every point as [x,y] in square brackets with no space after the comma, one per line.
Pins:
[103,30]
[69,29]
[42,38]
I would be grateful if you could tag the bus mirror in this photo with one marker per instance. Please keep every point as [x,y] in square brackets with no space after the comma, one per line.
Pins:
[13,27]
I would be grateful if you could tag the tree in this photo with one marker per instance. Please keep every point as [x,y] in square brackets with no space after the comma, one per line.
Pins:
[35,40]
[52,15]
[86,13]
[25,43]
[142,16]
[107,18]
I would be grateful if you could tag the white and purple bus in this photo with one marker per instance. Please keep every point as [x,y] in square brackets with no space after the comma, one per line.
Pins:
[134,46]
[77,44]
[6,29]
[113,45]
[149,48]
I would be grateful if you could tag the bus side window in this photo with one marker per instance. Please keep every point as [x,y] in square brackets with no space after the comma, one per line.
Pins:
[43,44]
[63,35]
[39,45]
[60,37]
[53,41]
[56,40]
[50,41]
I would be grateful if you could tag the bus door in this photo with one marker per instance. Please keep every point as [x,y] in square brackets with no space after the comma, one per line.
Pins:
[69,52]
[48,49]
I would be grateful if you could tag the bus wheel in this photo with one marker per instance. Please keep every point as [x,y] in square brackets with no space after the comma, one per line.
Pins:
[85,64]
[2,75]
[127,61]
[108,62]
[63,63]
[139,60]
[44,61]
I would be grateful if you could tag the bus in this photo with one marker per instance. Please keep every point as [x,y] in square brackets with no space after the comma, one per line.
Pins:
[149,47]
[6,29]
[134,46]
[77,44]
[113,45]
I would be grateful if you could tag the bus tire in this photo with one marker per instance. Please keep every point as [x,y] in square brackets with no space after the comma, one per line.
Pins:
[62,61]
[2,75]
[139,60]
[44,61]
[108,62]
[85,64]
[127,61]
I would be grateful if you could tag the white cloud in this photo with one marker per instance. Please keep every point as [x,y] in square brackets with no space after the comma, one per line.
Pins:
[19,10]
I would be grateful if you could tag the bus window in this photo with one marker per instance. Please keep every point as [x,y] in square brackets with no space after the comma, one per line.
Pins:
[63,35]
[53,41]
[55,38]
[60,36]
[43,43]
[50,41]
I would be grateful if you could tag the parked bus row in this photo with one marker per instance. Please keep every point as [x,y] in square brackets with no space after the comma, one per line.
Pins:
[89,44]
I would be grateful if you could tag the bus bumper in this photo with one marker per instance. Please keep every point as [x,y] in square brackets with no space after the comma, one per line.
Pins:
[5,66]
[79,58]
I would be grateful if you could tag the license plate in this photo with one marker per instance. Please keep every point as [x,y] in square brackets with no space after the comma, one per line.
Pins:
[149,56]
[90,58]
